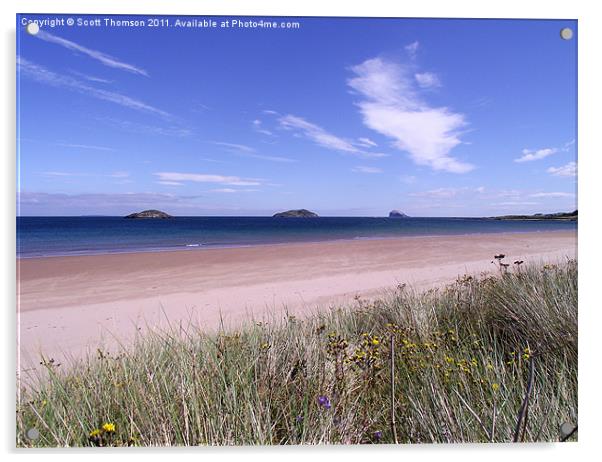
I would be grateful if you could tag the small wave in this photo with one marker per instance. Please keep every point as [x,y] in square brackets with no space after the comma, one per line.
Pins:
[193,245]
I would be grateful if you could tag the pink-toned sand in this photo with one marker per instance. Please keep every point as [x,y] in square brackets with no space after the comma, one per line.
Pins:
[71,305]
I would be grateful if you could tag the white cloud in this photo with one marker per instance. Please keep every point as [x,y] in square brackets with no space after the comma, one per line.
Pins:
[235,147]
[569,169]
[567,146]
[392,106]
[514,203]
[247,151]
[43,75]
[91,78]
[231,190]
[94,54]
[119,175]
[427,80]
[258,127]
[134,127]
[552,194]
[85,146]
[317,134]
[530,155]
[366,142]
[170,183]
[439,193]
[224,190]
[364,169]
[207,178]
[322,137]
[412,49]
[448,193]
[61,174]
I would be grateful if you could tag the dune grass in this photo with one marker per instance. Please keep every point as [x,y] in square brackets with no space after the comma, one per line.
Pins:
[489,359]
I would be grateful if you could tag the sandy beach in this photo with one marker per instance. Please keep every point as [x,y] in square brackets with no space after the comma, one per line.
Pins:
[71,305]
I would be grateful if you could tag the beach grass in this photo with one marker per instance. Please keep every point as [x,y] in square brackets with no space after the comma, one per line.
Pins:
[486,359]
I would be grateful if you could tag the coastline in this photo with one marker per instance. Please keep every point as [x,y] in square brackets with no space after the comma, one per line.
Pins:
[205,247]
[71,305]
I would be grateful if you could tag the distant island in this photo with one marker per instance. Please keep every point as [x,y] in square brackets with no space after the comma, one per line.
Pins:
[397,214]
[567,216]
[149,214]
[299,213]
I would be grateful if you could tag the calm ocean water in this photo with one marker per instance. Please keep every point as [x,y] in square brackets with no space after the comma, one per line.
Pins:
[48,236]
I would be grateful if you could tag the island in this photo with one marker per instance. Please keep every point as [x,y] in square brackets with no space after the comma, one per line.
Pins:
[299,213]
[397,214]
[149,214]
[566,216]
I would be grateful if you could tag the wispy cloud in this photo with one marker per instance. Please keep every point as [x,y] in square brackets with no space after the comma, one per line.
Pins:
[322,137]
[206,178]
[231,190]
[170,183]
[85,146]
[412,49]
[552,194]
[439,193]
[103,58]
[569,170]
[568,145]
[364,169]
[427,80]
[317,134]
[448,193]
[91,78]
[367,142]
[43,75]
[120,175]
[392,106]
[235,147]
[530,155]
[117,175]
[514,203]
[248,151]
[259,128]
[113,203]
[145,129]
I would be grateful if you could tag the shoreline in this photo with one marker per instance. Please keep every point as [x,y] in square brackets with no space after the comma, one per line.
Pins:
[205,247]
[68,306]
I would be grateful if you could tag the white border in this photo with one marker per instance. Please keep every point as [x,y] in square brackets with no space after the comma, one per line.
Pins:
[590,195]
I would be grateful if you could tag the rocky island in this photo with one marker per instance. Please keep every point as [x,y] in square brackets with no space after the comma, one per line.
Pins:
[397,214]
[149,214]
[299,213]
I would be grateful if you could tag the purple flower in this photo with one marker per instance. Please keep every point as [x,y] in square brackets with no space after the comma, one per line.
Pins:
[378,435]
[324,402]
[299,419]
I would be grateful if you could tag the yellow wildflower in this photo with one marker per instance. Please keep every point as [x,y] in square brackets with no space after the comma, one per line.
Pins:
[495,386]
[109,427]
[94,433]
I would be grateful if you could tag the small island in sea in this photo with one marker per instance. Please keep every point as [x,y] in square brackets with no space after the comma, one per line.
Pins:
[397,214]
[149,214]
[298,213]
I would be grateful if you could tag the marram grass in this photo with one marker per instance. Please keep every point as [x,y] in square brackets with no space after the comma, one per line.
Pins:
[448,365]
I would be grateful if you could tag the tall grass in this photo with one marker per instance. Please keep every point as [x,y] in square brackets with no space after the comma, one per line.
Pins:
[448,365]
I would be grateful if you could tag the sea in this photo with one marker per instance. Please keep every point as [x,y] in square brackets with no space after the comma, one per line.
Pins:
[64,236]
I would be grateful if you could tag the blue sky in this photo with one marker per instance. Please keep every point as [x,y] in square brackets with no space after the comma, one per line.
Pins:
[346,117]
